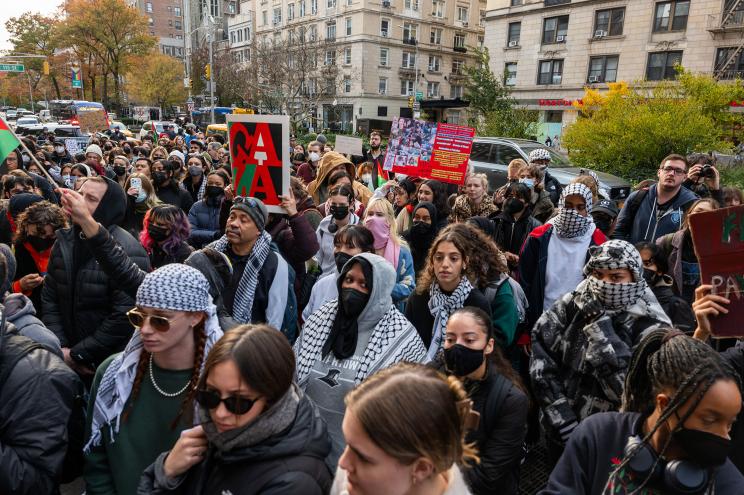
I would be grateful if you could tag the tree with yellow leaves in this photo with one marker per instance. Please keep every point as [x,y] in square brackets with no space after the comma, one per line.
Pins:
[157,81]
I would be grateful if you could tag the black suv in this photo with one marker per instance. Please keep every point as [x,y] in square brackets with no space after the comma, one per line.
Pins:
[491,156]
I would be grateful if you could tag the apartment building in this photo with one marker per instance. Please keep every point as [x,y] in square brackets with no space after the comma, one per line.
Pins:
[240,29]
[550,50]
[166,20]
[386,51]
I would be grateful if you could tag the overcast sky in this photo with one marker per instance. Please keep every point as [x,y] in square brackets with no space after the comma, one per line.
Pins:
[14,8]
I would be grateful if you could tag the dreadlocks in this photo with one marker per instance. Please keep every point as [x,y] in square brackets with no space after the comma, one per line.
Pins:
[670,360]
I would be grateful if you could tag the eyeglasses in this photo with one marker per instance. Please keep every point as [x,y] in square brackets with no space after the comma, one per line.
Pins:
[245,200]
[158,323]
[234,403]
[676,171]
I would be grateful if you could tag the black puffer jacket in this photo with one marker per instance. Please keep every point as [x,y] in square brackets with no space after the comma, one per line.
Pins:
[82,305]
[38,396]
[291,463]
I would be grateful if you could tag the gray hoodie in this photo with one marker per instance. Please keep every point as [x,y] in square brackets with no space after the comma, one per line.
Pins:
[19,310]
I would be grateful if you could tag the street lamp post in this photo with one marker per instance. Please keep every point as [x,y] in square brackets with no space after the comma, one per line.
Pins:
[210,40]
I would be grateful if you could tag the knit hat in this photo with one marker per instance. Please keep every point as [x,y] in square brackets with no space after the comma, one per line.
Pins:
[20,202]
[178,155]
[407,185]
[94,148]
[175,287]
[321,139]
[615,254]
[255,208]
[6,255]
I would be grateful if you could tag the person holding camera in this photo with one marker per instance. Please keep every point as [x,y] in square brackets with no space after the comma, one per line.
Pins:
[703,178]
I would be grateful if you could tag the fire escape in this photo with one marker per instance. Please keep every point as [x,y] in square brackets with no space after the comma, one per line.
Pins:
[728,25]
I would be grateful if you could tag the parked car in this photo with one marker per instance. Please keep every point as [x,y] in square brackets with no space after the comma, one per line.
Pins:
[491,155]
[26,121]
[45,115]
[11,114]
[123,128]
[156,126]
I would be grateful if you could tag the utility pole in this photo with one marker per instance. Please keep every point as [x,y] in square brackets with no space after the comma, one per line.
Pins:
[210,40]
[187,42]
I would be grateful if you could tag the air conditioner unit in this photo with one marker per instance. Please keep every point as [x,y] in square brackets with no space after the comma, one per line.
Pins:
[384,34]
[600,33]
[595,79]
[560,38]
[464,24]
[513,43]
[386,3]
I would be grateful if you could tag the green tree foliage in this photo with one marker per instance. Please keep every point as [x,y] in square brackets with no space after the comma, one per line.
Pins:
[157,81]
[33,33]
[628,133]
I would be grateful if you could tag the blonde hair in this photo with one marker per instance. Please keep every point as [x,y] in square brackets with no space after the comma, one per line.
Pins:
[152,198]
[482,177]
[412,411]
[387,209]
[516,165]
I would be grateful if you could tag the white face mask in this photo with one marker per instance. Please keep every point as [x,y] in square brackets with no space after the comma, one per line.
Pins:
[366,177]
[314,157]
[59,149]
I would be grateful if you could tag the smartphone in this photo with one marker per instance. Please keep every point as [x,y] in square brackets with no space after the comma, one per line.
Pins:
[136,182]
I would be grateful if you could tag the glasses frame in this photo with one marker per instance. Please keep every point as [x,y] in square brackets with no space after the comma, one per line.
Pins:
[155,326]
[209,399]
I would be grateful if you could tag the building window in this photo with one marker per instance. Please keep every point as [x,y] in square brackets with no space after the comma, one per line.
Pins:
[148,7]
[233,38]
[384,57]
[331,31]
[406,87]
[609,22]
[409,60]
[411,4]
[247,32]
[177,11]
[382,111]
[265,17]
[330,57]
[348,26]
[331,4]
[434,63]
[151,21]
[458,67]
[313,7]
[277,19]
[384,28]
[671,16]
[661,65]
[459,40]
[177,25]
[432,89]
[437,9]
[436,36]
[462,14]
[510,74]
[456,91]
[481,40]
[555,29]
[347,56]
[347,84]
[382,86]
[551,72]
[290,11]
[603,69]
[313,33]
[302,8]
[515,29]
[410,33]
[170,22]
[726,67]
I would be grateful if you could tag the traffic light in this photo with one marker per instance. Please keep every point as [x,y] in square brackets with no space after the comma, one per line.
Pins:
[208,72]
[410,101]
[46,67]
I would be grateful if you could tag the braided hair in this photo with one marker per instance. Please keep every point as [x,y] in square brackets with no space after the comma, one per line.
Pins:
[669,359]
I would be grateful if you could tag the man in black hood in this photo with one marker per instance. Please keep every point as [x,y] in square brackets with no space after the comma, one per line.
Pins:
[83,307]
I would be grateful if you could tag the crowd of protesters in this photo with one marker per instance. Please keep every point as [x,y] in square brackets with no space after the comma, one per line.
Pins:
[383,335]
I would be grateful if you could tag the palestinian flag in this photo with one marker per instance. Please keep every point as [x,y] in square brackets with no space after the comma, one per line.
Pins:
[8,140]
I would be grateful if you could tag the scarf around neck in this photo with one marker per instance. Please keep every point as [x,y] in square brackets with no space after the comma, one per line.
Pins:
[441,306]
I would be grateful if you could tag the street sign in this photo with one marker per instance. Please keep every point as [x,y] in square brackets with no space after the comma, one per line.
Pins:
[419,95]
[190,106]
[12,68]
[77,77]
[416,106]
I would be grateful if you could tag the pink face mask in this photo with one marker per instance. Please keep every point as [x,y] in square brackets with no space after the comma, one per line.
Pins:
[380,230]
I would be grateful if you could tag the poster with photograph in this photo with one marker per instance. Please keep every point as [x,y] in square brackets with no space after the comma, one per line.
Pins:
[259,157]
[92,121]
[718,237]
[429,150]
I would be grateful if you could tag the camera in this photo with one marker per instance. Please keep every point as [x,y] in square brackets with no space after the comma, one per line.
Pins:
[708,172]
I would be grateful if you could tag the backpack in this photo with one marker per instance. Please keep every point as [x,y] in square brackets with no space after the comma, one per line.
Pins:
[520,299]
[635,204]
[15,348]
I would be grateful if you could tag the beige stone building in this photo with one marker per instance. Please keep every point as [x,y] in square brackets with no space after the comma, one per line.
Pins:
[551,50]
[385,51]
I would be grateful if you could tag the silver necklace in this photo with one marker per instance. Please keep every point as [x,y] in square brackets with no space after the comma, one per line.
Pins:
[160,390]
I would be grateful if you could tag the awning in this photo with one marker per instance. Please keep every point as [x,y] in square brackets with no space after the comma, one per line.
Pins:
[451,103]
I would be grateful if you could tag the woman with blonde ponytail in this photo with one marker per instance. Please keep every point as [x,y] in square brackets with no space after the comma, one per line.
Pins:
[405,432]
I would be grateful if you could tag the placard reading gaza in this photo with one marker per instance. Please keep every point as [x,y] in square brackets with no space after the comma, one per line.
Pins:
[259,155]
[429,150]
[718,237]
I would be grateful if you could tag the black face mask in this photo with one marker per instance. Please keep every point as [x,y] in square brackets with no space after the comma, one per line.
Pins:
[213,191]
[40,243]
[420,228]
[120,170]
[341,259]
[157,233]
[513,206]
[353,301]
[703,448]
[159,178]
[127,150]
[461,360]
[339,212]
[649,275]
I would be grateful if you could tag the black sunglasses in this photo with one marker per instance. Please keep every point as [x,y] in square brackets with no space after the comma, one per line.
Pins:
[246,200]
[235,403]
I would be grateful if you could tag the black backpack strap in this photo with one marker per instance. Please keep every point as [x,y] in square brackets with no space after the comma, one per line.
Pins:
[495,401]
[635,205]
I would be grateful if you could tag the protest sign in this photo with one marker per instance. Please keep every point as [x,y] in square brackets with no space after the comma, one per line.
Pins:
[429,150]
[718,237]
[92,121]
[348,144]
[141,114]
[76,144]
[259,157]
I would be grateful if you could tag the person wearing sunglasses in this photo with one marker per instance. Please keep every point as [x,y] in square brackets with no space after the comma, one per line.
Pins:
[142,398]
[258,432]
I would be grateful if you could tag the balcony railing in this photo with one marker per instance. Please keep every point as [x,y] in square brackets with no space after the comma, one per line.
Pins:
[460,49]
[548,3]
[409,41]
[724,21]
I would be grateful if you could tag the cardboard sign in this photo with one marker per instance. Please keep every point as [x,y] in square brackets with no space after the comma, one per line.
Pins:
[718,237]
[348,144]
[76,144]
[141,114]
[92,121]
[259,155]
[429,150]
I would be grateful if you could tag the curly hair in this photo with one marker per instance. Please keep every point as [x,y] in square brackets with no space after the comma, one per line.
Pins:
[180,228]
[41,213]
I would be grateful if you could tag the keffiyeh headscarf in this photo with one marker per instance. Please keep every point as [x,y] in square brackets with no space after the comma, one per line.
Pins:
[441,306]
[610,256]
[568,223]
[174,287]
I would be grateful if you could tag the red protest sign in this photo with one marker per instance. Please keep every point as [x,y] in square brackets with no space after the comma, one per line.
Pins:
[259,155]
[718,237]
[429,150]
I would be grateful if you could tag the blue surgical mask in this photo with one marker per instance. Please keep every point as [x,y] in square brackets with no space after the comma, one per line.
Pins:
[528,182]
[140,197]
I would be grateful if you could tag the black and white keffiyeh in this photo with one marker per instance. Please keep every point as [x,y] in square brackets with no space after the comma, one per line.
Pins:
[243,304]
[174,287]
[202,188]
[568,223]
[613,255]
[441,306]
